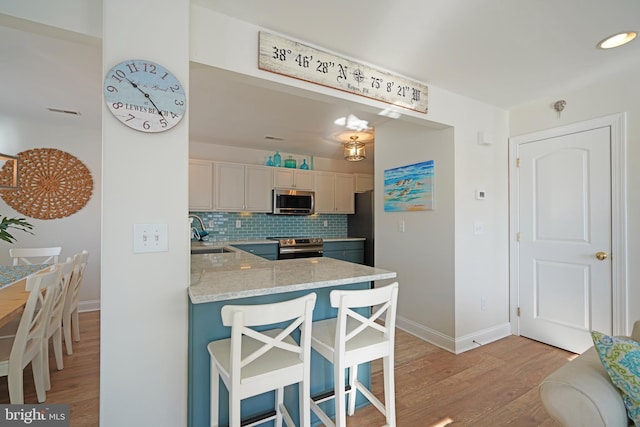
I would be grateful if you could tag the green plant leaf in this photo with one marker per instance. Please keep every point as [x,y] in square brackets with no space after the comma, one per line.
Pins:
[13,223]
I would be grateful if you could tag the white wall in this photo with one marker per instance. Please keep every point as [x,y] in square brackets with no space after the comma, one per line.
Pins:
[423,255]
[615,94]
[144,327]
[75,232]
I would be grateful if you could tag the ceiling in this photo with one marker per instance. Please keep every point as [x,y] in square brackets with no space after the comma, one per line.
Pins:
[502,53]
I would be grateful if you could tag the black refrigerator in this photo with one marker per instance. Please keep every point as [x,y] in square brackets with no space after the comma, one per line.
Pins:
[360,224]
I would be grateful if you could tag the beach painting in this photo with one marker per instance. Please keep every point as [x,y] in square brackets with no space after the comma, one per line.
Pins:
[409,188]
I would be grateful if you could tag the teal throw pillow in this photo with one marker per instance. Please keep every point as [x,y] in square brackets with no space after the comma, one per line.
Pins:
[621,359]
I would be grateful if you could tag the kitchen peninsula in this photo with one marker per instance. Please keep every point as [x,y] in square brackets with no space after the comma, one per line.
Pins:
[239,277]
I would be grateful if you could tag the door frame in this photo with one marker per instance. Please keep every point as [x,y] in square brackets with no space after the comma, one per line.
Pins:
[619,298]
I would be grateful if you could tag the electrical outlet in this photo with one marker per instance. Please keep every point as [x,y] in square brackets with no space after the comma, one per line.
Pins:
[326,223]
[483,304]
[401,226]
[238,223]
[211,224]
[150,238]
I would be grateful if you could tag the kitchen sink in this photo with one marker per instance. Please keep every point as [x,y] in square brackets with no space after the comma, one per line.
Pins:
[210,250]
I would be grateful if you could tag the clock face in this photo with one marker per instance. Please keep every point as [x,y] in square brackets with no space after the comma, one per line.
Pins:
[144,95]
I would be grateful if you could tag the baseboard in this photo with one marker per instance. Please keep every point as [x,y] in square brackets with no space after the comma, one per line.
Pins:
[454,345]
[480,338]
[92,305]
[429,335]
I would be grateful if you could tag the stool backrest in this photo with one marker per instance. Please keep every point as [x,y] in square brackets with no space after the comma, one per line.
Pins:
[245,320]
[376,326]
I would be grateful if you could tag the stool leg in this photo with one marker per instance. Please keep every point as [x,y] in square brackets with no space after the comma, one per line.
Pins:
[353,376]
[234,408]
[279,404]
[338,386]
[304,391]
[214,395]
[389,390]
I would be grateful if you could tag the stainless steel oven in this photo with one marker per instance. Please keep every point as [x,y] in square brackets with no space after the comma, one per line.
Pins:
[299,247]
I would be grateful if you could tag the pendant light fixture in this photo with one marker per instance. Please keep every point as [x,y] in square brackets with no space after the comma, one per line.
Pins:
[354,149]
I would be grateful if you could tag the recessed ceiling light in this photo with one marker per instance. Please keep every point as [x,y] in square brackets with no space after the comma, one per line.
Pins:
[617,40]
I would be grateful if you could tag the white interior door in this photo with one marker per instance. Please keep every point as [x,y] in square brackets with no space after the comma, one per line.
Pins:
[564,219]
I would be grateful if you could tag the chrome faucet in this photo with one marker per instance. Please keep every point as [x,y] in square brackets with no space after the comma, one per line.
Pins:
[199,235]
[199,220]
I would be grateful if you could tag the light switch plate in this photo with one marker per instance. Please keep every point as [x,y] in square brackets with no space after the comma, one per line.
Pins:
[150,238]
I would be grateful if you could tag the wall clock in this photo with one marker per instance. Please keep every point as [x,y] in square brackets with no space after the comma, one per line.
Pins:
[144,95]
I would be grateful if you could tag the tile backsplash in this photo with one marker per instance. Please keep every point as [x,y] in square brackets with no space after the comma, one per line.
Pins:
[222,225]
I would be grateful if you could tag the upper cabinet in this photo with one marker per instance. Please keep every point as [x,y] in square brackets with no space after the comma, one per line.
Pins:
[236,187]
[242,188]
[293,178]
[364,182]
[344,200]
[200,185]
[334,193]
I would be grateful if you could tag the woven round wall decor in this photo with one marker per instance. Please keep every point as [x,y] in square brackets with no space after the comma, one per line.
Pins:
[51,184]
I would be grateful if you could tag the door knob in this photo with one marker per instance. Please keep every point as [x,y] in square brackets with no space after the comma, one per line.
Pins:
[601,255]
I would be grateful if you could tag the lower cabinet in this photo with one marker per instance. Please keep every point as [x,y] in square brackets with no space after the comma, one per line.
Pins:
[352,250]
[265,250]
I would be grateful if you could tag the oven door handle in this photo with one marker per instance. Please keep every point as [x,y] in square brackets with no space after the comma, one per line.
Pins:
[317,249]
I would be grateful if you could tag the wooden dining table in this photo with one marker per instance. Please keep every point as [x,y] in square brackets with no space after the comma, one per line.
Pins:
[13,295]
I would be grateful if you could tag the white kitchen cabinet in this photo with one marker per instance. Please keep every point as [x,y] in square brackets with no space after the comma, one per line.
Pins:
[334,193]
[242,188]
[363,182]
[344,199]
[257,188]
[200,185]
[325,192]
[293,178]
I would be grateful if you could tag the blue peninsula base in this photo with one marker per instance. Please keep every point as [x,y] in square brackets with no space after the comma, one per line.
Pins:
[205,325]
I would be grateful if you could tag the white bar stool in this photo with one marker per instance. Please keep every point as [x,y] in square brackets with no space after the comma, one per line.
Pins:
[352,339]
[253,362]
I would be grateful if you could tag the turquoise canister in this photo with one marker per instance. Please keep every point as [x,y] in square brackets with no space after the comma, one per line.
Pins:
[290,163]
[277,160]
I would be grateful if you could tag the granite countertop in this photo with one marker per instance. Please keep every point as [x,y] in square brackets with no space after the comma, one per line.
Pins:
[239,274]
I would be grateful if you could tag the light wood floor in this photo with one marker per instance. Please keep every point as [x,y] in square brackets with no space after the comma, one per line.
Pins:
[78,384]
[493,385]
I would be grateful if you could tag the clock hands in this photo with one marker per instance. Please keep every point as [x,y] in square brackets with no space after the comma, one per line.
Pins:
[146,95]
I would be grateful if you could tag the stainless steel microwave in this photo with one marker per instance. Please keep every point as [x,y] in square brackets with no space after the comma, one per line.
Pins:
[293,202]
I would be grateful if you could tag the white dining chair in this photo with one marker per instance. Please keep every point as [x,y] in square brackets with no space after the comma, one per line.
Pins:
[26,346]
[352,339]
[70,318]
[47,255]
[252,362]
[54,326]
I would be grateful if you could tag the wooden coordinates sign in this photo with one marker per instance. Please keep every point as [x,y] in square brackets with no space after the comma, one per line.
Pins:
[287,57]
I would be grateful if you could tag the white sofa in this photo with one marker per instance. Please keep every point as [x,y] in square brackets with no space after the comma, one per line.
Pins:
[581,393]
